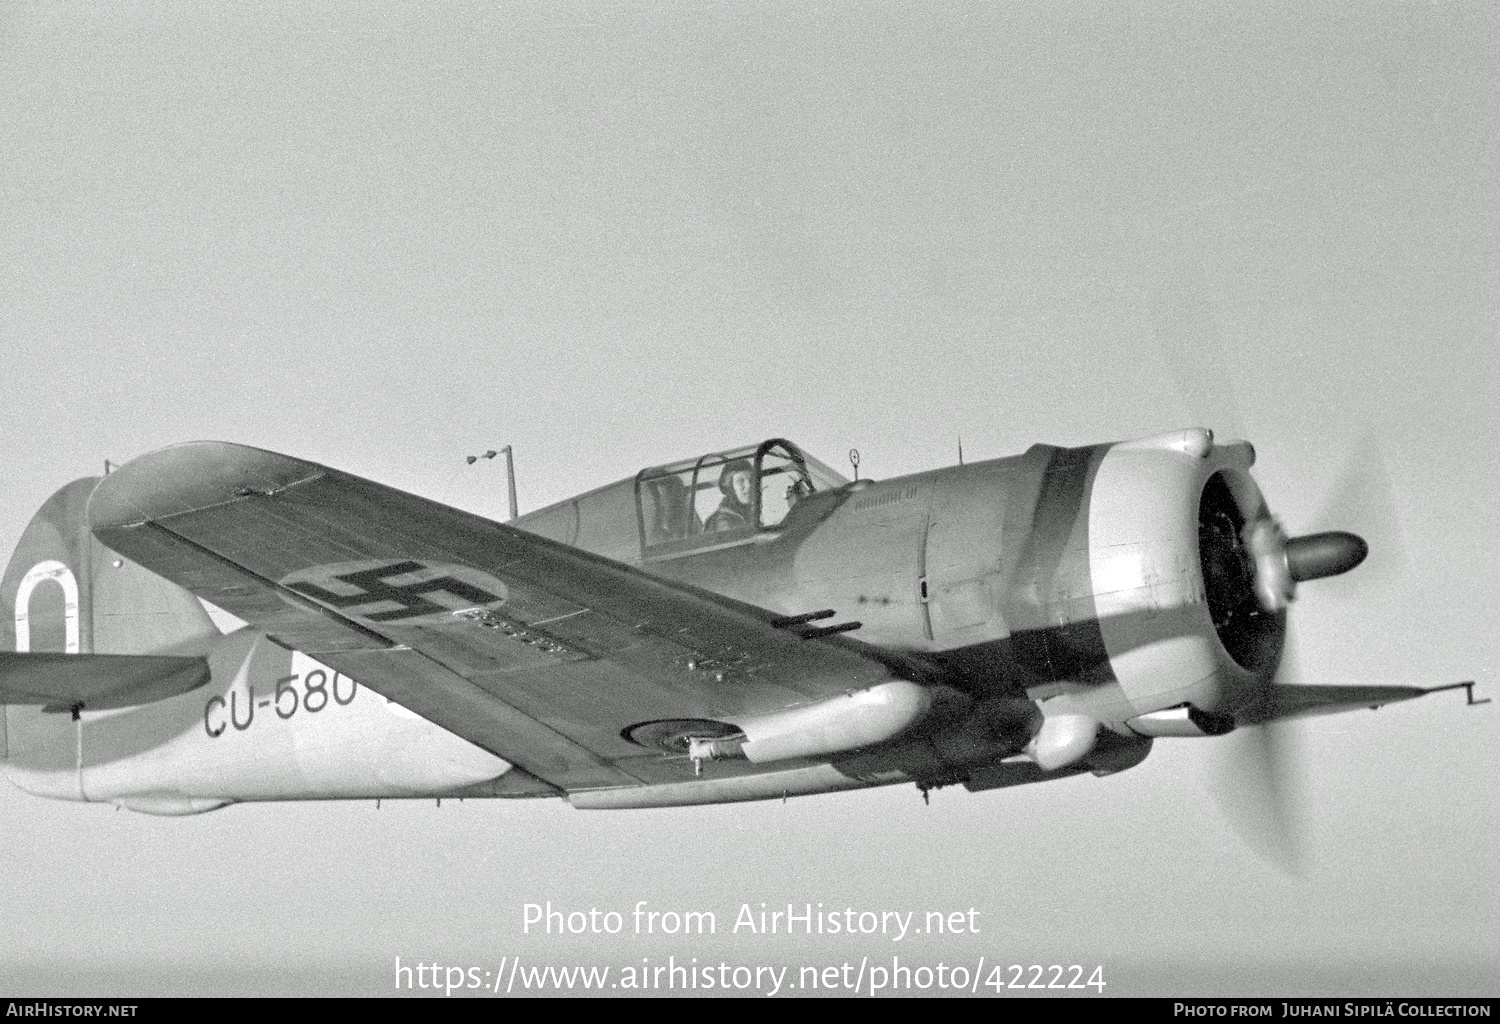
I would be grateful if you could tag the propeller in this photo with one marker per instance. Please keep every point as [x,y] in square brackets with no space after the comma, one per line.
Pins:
[1260,779]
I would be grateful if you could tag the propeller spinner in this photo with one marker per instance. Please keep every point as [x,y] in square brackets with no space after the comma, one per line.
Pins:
[1281,562]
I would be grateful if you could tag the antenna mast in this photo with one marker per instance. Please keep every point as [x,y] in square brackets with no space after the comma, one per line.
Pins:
[510,474]
[510,480]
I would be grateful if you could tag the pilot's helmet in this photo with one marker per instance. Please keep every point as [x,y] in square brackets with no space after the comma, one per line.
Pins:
[726,478]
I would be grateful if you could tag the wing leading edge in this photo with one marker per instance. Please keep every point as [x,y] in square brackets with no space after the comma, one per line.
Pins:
[535,651]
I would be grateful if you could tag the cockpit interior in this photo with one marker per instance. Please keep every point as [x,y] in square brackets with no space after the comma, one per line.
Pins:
[725,496]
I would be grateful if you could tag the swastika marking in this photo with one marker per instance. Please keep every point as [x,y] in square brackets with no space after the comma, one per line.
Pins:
[375,590]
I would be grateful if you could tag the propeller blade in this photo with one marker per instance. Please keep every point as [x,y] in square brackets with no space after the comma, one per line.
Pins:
[1260,798]
[1258,784]
[1364,502]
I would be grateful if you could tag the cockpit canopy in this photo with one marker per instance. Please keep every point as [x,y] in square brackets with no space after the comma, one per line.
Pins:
[725,496]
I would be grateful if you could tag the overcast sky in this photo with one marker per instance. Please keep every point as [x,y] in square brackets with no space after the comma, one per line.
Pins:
[383,237]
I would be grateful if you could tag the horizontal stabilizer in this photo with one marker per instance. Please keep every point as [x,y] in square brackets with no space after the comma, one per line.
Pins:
[96,682]
[1305,701]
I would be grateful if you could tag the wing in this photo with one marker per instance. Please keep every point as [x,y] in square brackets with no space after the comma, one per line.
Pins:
[1298,701]
[535,651]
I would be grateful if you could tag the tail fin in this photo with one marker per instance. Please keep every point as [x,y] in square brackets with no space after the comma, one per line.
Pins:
[45,595]
[78,619]
[64,591]
[87,628]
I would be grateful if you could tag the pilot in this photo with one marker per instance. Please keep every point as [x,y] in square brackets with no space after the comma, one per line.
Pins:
[800,488]
[736,511]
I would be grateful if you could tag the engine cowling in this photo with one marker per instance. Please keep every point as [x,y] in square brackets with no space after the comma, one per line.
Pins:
[1184,555]
[1189,579]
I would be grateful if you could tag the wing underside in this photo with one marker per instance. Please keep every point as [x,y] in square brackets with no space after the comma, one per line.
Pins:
[1306,701]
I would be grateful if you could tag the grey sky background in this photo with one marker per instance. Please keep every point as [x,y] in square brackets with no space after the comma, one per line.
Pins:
[386,236]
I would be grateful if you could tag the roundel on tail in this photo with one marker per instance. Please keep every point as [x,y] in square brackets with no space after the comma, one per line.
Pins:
[47,571]
[46,593]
